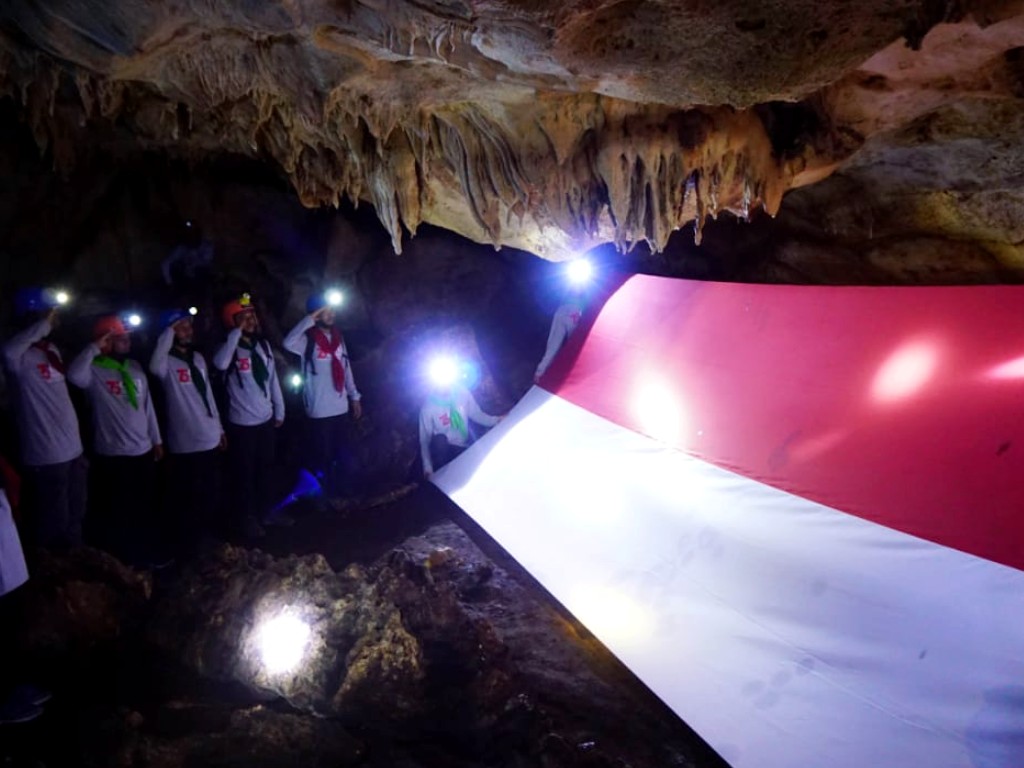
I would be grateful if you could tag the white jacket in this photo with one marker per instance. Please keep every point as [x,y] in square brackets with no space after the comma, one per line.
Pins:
[190,427]
[436,419]
[47,422]
[249,405]
[319,396]
[119,429]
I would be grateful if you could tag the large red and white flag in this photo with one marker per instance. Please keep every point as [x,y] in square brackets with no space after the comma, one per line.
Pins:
[796,513]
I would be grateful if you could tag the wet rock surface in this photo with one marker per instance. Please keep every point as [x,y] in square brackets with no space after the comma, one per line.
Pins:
[423,651]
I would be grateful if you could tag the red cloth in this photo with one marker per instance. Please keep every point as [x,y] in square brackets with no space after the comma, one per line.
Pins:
[900,405]
[329,346]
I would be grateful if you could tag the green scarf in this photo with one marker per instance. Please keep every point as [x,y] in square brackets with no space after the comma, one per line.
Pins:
[188,356]
[126,377]
[454,415]
[259,367]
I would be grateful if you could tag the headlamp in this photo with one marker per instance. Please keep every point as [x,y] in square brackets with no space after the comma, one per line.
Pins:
[579,272]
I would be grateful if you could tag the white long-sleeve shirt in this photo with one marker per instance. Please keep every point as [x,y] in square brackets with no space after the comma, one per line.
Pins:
[435,419]
[13,572]
[119,429]
[248,404]
[190,427]
[566,318]
[47,422]
[319,395]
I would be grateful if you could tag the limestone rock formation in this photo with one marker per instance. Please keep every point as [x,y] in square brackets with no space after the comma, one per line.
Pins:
[551,126]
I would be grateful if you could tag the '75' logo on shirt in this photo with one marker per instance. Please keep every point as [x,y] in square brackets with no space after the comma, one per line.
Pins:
[114,387]
[44,371]
[183,375]
[244,363]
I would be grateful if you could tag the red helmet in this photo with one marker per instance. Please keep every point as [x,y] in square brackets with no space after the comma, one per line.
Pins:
[111,324]
[236,307]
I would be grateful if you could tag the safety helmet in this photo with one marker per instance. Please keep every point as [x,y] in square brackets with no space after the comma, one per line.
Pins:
[171,316]
[316,301]
[34,299]
[111,324]
[236,307]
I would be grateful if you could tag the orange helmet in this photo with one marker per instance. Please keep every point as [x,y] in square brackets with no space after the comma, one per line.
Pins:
[111,324]
[236,307]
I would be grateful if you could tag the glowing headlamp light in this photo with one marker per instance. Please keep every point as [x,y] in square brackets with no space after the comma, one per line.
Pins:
[334,297]
[296,380]
[62,297]
[193,311]
[580,271]
[134,319]
[443,371]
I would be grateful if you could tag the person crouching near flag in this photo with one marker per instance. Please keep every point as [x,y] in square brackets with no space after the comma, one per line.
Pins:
[255,411]
[126,443]
[55,470]
[195,436]
[329,391]
[445,416]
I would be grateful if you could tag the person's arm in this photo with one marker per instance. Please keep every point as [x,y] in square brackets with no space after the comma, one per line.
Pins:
[474,412]
[425,435]
[80,370]
[556,337]
[275,392]
[350,383]
[295,341]
[151,422]
[20,343]
[226,351]
[161,353]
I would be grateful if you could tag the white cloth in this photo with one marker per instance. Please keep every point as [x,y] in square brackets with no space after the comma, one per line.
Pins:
[319,396]
[248,404]
[190,427]
[13,571]
[435,419]
[119,429]
[566,318]
[47,423]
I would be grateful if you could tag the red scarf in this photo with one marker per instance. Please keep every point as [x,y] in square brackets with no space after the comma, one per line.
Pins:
[52,357]
[329,346]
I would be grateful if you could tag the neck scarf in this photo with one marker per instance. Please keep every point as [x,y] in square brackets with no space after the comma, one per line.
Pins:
[126,377]
[329,346]
[449,401]
[188,356]
[51,356]
[259,365]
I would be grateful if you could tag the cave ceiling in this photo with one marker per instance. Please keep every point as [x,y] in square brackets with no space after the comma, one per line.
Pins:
[557,125]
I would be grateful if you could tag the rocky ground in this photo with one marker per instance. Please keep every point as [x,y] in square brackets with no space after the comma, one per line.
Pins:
[429,647]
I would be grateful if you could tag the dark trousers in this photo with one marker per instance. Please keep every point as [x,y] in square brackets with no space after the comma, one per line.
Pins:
[442,452]
[123,516]
[327,452]
[12,616]
[55,499]
[251,460]
[193,507]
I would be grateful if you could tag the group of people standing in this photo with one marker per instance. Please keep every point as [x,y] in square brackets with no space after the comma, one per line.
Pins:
[127,440]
